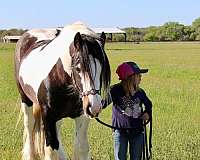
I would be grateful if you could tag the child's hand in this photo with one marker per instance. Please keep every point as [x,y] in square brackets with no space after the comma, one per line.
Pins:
[145,117]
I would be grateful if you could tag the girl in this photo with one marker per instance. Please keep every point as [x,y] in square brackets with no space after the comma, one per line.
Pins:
[127,112]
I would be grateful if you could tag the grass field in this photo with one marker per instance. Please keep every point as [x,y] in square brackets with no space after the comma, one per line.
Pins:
[173,84]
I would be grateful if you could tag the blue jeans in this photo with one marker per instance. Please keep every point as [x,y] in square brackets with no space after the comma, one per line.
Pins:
[121,141]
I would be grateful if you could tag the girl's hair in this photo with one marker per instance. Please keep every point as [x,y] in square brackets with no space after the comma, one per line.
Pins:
[130,85]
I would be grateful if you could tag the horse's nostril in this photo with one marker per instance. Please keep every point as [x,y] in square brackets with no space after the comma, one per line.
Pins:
[89,111]
[94,112]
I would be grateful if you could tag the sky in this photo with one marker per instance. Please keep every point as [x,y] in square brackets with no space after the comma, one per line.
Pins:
[28,14]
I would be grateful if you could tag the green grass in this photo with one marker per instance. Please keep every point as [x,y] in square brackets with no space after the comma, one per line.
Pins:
[172,83]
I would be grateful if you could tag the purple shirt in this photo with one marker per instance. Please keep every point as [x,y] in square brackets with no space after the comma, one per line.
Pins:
[127,111]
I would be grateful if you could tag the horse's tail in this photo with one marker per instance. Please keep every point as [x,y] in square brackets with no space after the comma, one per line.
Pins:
[38,132]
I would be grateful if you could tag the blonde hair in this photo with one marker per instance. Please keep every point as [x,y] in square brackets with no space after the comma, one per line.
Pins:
[130,86]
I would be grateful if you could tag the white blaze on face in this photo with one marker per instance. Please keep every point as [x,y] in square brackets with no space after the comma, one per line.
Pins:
[94,100]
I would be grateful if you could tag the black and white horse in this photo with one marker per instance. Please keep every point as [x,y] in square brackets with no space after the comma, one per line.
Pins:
[61,72]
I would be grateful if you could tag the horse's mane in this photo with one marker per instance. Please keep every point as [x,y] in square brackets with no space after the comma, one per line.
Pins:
[92,46]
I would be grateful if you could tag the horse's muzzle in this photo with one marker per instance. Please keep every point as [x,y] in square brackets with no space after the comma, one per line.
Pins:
[90,111]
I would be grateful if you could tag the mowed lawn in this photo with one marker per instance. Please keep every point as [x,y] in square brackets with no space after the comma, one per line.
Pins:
[172,83]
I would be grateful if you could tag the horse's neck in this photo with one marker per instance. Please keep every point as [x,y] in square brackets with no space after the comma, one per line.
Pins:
[64,40]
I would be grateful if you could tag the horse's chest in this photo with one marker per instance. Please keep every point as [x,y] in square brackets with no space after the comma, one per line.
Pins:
[59,94]
[66,102]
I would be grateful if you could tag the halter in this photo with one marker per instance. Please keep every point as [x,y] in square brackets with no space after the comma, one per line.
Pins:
[90,92]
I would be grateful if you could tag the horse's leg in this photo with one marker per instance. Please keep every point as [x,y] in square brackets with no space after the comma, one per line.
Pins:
[61,151]
[28,150]
[52,143]
[81,145]
[52,154]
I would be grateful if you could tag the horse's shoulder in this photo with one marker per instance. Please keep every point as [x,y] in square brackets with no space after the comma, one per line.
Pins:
[58,76]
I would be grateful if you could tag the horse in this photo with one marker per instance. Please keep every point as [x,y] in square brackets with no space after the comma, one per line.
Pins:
[61,72]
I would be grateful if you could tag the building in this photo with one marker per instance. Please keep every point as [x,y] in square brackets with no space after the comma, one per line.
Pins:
[110,31]
[13,39]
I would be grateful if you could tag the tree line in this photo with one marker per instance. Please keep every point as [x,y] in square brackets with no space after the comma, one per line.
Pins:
[170,31]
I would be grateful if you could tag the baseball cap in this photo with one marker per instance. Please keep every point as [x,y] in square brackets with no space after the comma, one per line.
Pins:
[126,69]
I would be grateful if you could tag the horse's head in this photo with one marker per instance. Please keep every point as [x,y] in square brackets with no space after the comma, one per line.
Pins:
[90,71]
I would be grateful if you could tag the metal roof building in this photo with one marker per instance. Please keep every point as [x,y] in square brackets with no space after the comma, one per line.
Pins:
[99,30]
[8,39]
[110,31]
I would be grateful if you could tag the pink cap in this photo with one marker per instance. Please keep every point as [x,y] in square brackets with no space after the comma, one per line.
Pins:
[124,71]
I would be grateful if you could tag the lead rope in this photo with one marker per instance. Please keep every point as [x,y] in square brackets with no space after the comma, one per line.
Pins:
[145,146]
[150,138]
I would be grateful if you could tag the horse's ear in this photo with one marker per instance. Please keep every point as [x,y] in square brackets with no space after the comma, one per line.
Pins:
[78,41]
[103,38]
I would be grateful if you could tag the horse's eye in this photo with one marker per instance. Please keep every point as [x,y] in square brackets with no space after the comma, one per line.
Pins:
[78,69]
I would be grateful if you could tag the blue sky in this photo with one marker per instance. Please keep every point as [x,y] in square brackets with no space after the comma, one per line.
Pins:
[29,14]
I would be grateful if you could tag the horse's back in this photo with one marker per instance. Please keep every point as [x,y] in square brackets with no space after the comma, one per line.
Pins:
[29,41]
[32,39]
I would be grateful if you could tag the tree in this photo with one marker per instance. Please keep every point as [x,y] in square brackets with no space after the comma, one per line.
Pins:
[134,34]
[151,34]
[196,23]
[196,27]
[173,31]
